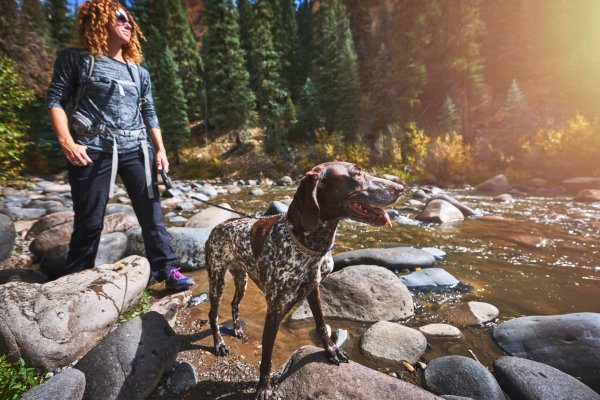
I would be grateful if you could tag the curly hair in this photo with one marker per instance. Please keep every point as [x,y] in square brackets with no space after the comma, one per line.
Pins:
[93,19]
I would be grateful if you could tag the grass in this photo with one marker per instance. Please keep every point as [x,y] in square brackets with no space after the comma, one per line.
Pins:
[141,307]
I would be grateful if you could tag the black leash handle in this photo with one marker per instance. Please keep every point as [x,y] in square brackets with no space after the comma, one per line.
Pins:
[169,185]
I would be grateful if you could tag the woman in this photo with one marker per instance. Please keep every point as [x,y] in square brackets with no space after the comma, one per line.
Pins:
[107,133]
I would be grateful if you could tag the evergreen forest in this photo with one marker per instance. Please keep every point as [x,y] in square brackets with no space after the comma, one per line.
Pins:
[446,91]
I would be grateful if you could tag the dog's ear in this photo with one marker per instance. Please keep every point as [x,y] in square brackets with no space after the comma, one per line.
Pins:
[305,202]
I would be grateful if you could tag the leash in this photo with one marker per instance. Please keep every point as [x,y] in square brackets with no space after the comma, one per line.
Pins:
[175,192]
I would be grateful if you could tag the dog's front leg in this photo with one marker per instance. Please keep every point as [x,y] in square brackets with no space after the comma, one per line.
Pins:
[336,355]
[272,321]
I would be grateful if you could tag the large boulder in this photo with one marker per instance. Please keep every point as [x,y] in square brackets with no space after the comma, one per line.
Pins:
[530,380]
[440,211]
[53,324]
[130,361]
[7,236]
[498,183]
[111,248]
[390,258]
[387,344]
[69,384]
[308,374]
[211,217]
[461,376]
[50,238]
[569,342]
[362,293]
[50,221]
[188,244]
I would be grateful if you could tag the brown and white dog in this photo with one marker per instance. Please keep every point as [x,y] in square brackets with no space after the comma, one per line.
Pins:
[288,255]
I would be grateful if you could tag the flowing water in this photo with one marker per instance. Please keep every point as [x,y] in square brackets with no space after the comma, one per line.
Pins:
[537,256]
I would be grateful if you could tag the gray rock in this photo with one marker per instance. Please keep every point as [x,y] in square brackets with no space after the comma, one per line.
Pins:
[440,211]
[429,279]
[257,192]
[45,204]
[440,331]
[16,213]
[8,236]
[498,183]
[69,384]
[130,361]
[568,342]
[393,214]
[469,314]
[461,376]
[530,380]
[22,275]
[112,208]
[503,198]
[185,206]
[207,190]
[210,217]
[53,324]
[50,221]
[112,248]
[188,244]
[387,344]
[276,207]
[51,187]
[393,178]
[437,253]
[285,181]
[233,189]
[363,293]
[183,377]
[577,184]
[119,222]
[170,305]
[421,194]
[466,211]
[391,258]
[53,261]
[450,397]
[135,242]
[308,374]
[51,238]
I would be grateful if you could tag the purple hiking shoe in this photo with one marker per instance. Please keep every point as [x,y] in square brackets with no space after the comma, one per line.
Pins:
[176,280]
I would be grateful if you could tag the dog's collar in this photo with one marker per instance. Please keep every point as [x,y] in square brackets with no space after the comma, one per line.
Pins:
[301,247]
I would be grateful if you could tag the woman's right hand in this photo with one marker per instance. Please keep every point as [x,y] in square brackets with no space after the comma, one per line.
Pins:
[76,154]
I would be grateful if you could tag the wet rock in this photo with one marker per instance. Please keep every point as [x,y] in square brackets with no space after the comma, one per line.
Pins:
[22,275]
[7,237]
[111,249]
[429,279]
[257,192]
[340,337]
[498,183]
[471,313]
[437,253]
[130,361]
[588,196]
[53,324]
[391,258]
[440,211]
[568,342]
[387,344]
[276,207]
[170,305]
[210,217]
[183,377]
[363,293]
[188,244]
[577,184]
[504,198]
[393,214]
[49,221]
[308,374]
[530,380]
[466,211]
[194,301]
[440,331]
[421,194]
[69,384]
[461,376]
[15,213]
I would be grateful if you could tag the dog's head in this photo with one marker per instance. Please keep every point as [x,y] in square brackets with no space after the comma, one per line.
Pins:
[335,190]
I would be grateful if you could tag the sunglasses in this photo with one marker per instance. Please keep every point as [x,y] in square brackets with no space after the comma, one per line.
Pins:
[122,19]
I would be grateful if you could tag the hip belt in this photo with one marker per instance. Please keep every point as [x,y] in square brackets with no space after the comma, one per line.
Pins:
[103,130]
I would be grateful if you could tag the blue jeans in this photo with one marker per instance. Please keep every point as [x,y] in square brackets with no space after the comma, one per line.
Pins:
[89,189]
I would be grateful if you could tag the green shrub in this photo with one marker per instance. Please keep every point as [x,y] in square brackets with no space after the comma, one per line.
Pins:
[16,378]
[141,307]
[13,97]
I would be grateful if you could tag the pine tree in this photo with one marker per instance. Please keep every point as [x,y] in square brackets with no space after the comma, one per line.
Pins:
[291,62]
[381,99]
[308,113]
[336,69]
[360,25]
[266,81]
[171,104]
[231,102]
[305,40]
[62,23]
[449,120]
[246,17]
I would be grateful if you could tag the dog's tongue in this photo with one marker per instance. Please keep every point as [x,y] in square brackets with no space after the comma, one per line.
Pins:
[386,217]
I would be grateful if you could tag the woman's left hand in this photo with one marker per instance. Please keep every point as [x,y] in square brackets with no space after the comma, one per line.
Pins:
[161,161]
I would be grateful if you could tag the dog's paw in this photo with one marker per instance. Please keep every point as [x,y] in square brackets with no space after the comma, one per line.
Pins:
[221,349]
[265,394]
[337,355]
[238,333]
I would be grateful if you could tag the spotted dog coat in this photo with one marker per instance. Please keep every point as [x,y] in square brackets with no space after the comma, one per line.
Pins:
[288,255]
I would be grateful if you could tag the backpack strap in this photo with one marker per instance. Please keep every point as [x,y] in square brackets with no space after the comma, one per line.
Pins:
[89,60]
[137,79]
